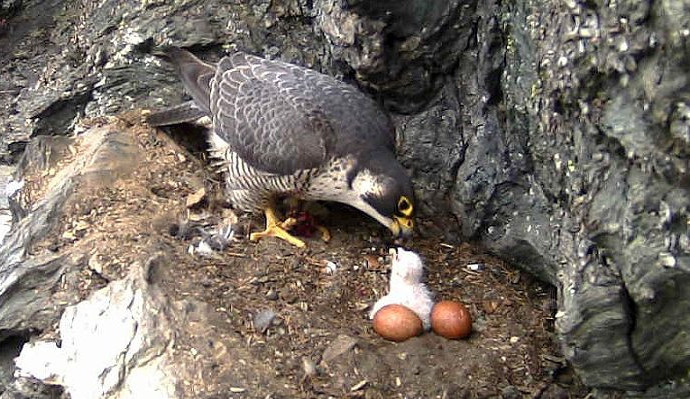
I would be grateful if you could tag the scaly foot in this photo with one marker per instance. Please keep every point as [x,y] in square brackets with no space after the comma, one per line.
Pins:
[276,228]
[325,234]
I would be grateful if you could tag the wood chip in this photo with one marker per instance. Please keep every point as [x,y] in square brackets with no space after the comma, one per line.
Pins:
[490,306]
[358,385]
[196,197]
[372,261]
[309,367]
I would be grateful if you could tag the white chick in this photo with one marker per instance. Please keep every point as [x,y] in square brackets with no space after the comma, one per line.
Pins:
[406,287]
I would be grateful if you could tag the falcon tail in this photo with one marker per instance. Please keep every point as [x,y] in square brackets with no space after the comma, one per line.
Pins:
[181,113]
[195,74]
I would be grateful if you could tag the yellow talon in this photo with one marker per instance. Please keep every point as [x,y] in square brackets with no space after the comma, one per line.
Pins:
[325,234]
[276,228]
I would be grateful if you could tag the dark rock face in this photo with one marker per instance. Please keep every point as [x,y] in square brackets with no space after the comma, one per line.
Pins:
[557,134]
[601,112]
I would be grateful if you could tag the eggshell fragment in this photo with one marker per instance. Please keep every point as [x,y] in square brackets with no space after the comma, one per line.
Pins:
[397,323]
[451,320]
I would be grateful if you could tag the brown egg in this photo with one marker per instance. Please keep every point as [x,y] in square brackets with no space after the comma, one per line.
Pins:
[451,320]
[397,323]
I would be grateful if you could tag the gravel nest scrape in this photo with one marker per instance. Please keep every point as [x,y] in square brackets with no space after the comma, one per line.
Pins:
[302,314]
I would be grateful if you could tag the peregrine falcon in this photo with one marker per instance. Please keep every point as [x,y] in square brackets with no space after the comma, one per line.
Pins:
[285,130]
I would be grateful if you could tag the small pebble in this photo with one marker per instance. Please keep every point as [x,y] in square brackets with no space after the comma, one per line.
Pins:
[263,319]
[331,267]
[476,267]
[342,344]
[272,295]
[511,392]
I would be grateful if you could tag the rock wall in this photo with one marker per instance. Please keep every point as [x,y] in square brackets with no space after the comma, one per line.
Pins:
[556,133]
[599,94]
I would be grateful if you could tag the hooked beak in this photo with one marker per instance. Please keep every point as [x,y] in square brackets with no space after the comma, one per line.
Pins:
[401,226]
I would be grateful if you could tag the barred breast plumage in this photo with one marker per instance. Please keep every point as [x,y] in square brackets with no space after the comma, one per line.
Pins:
[285,129]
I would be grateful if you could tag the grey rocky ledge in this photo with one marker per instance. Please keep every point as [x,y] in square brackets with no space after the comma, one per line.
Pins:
[111,335]
[122,342]
[127,339]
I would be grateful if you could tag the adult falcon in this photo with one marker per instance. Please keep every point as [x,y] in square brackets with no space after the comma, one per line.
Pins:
[285,130]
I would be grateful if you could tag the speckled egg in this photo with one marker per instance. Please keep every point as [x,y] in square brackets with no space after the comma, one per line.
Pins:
[451,320]
[397,323]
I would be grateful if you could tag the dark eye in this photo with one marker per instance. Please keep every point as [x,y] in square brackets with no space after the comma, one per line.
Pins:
[405,206]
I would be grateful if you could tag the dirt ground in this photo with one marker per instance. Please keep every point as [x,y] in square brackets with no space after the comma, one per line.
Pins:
[303,313]
[511,352]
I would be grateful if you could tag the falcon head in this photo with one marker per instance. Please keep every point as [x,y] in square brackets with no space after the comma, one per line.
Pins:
[384,191]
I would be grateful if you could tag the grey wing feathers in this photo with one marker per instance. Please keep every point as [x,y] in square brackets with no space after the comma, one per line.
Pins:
[266,116]
[279,117]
